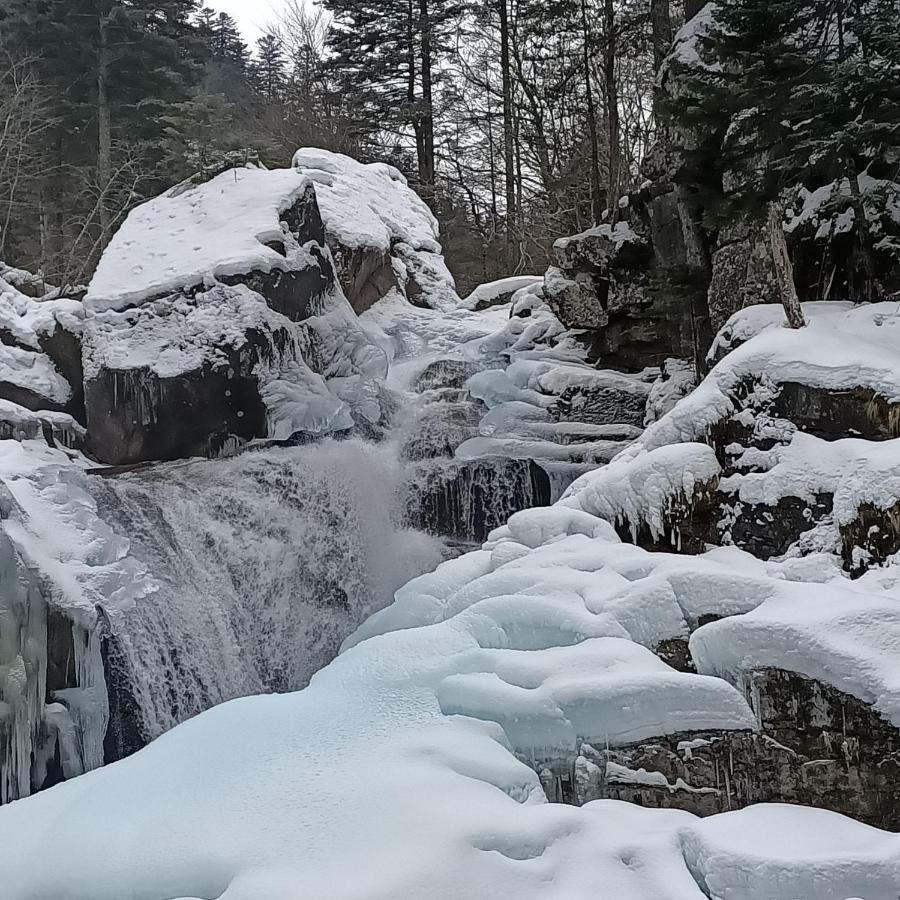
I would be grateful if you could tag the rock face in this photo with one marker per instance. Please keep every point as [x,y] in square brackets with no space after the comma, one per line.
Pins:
[629,289]
[817,747]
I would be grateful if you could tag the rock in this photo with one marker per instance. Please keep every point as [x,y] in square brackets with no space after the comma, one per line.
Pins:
[467,500]
[381,233]
[743,273]
[229,344]
[641,306]
[816,747]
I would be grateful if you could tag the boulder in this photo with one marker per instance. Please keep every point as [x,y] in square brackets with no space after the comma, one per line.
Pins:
[230,332]
[382,235]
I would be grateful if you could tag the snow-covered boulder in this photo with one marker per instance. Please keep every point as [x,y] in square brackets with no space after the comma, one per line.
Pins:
[499,293]
[382,235]
[40,354]
[215,316]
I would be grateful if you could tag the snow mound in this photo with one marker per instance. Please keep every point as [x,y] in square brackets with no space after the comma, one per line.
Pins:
[842,347]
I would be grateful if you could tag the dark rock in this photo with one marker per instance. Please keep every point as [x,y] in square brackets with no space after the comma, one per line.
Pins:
[467,500]
[366,274]
[817,747]
[446,373]
[871,538]
[832,415]
[134,415]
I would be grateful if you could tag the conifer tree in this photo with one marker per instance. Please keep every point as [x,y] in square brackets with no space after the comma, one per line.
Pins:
[388,53]
[269,68]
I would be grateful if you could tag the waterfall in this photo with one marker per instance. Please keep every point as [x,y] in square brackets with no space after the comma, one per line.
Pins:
[264,563]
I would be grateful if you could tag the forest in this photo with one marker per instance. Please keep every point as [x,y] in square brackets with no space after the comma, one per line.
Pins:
[519,121]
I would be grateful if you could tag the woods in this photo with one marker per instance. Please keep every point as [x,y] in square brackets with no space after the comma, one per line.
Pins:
[519,121]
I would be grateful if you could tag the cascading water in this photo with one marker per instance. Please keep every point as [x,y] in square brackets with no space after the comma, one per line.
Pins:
[264,563]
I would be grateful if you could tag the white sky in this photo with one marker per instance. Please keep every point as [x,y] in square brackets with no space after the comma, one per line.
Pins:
[252,15]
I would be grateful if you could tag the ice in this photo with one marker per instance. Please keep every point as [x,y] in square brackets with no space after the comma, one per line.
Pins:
[640,489]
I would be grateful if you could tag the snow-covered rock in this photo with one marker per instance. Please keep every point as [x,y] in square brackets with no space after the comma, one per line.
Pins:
[381,233]
[229,330]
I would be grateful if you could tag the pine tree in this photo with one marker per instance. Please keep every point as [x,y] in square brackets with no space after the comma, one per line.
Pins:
[269,69]
[387,53]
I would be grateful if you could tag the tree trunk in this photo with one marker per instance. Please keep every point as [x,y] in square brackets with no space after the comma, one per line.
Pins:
[871,287]
[509,155]
[104,126]
[661,23]
[428,161]
[784,271]
[612,108]
[597,203]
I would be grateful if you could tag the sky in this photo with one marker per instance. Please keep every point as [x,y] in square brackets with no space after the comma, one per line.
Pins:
[252,15]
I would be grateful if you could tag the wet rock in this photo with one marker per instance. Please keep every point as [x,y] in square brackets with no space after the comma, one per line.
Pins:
[467,500]
[816,746]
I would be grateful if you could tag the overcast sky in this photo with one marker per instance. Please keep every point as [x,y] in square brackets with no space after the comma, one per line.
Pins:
[252,15]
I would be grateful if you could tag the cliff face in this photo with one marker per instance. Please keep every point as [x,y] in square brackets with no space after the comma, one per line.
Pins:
[664,273]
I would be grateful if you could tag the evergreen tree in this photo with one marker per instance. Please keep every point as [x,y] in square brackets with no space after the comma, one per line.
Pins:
[269,69]
[387,54]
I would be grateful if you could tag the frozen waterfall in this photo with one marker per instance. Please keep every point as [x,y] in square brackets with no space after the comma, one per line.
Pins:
[263,564]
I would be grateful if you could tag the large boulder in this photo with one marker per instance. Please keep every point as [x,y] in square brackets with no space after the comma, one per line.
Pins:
[40,349]
[631,289]
[230,328]
[382,235]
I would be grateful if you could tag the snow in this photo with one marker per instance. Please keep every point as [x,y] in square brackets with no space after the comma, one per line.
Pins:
[367,206]
[821,208]
[618,235]
[175,335]
[490,293]
[688,46]
[188,235]
[840,348]
[35,372]
[841,635]
[27,320]
[854,471]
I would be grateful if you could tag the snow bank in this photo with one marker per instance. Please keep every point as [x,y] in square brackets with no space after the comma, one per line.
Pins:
[841,348]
